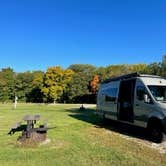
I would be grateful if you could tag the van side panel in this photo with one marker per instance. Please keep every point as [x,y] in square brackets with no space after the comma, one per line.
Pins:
[107,99]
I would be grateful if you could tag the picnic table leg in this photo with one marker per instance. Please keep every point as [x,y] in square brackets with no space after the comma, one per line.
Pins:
[28,130]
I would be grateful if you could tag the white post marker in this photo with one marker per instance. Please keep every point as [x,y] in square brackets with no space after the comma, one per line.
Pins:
[15,102]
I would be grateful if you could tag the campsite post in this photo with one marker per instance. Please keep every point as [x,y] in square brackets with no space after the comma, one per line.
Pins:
[15,102]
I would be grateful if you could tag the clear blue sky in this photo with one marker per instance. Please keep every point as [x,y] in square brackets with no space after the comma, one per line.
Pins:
[35,34]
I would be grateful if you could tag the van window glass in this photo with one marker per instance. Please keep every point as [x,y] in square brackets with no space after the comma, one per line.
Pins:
[140,92]
[110,94]
[158,92]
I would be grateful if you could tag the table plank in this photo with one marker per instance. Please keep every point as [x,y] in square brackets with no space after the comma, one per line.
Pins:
[31,117]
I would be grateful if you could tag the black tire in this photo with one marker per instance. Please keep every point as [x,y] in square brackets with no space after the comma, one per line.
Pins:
[155,133]
[105,120]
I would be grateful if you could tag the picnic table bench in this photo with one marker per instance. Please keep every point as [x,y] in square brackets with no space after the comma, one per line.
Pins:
[14,127]
[28,129]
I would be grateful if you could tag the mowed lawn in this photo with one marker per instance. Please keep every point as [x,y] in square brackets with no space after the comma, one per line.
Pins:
[75,138]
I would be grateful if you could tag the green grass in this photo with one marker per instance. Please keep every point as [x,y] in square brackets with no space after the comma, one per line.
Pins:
[74,140]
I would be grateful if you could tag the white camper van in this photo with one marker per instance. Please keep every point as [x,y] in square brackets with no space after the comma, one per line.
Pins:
[135,99]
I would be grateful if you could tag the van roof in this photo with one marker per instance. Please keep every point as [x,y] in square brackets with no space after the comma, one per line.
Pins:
[131,75]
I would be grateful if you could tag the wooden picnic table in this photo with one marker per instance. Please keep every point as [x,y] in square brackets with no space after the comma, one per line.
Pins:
[31,121]
[29,131]
[31,117]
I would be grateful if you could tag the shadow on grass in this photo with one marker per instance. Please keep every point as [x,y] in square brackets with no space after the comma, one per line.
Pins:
[89,116]
[51,128]
[17,129]
[22,128]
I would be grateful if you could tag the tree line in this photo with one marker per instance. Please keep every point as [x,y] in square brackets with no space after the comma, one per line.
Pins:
[77,84]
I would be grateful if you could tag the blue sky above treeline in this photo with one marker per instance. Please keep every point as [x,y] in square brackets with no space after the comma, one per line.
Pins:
[35,34]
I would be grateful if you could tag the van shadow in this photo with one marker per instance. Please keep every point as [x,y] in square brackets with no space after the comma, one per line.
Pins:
[89,116]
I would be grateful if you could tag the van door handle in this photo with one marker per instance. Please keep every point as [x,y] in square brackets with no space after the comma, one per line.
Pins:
[136,104]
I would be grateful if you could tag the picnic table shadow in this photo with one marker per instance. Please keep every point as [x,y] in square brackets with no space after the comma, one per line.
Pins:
[23,128]
[89,116]
[18,129]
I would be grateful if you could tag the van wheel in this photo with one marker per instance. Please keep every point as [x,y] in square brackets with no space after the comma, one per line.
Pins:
[155,133]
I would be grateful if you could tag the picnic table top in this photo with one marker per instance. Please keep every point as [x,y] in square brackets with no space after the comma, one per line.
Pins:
[31,117]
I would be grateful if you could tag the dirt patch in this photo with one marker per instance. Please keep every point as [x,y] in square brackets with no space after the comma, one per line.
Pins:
[32,141]
[59,144]
[160,147]
[47,141]
[102,137]
[107,137]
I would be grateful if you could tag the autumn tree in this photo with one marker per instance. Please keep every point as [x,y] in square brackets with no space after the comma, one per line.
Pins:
[55,82]
[94,83]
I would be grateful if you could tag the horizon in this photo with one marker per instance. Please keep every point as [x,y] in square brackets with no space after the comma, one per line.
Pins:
[74,64]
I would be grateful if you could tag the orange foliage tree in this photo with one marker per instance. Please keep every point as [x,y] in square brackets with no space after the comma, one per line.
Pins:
[94,83]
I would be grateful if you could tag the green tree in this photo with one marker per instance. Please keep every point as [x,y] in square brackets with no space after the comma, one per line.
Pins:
[163,67]
[140,68]
[79,84]
[23,85]
[7,78]
[35,95]
[83,68]
[102,73]
[117,70]
[154,69]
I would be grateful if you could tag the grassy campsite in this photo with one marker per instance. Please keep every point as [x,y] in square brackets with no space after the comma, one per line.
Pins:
[74,137]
